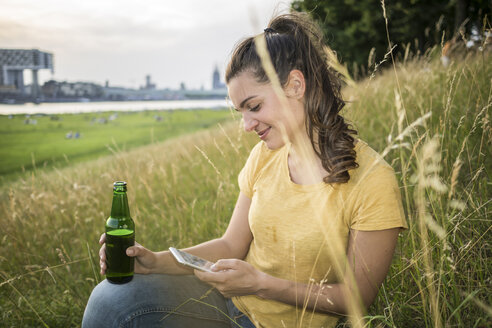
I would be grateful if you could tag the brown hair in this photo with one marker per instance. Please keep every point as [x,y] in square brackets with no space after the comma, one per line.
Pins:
[294,41]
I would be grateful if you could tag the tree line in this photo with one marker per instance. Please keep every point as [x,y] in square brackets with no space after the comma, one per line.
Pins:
[353,27]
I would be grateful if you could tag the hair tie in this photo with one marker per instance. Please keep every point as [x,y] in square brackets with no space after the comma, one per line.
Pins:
[269,30]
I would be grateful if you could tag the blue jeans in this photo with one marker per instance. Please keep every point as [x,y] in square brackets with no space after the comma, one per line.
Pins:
[158,300]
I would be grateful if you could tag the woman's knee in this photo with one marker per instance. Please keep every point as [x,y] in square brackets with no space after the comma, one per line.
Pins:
[104,306]
[111,304]
[148,297]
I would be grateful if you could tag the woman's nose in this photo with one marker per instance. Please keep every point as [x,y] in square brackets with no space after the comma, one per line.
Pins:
[249,123]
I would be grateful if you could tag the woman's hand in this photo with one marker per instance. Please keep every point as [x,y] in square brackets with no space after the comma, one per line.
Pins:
[233,278]
[145,260]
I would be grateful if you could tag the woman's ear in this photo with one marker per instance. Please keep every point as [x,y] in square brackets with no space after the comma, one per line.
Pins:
[296,85]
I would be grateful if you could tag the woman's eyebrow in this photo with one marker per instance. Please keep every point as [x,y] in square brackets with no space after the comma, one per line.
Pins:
[241,105]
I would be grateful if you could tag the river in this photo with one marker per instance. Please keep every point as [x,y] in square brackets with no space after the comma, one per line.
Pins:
[125,106]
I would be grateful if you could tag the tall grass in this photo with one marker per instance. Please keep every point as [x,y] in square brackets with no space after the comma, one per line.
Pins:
[435,131]
[50,221]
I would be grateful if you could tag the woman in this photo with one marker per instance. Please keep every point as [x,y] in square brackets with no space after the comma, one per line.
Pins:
[316,221]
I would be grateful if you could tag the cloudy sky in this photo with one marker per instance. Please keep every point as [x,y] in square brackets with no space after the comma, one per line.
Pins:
[123,40]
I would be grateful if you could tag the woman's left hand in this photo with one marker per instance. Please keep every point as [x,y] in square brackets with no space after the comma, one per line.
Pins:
[233,278]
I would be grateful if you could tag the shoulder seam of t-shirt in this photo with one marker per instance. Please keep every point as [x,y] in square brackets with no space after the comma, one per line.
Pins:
[265,155]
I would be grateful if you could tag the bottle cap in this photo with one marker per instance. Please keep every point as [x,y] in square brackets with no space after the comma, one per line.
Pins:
[119,186]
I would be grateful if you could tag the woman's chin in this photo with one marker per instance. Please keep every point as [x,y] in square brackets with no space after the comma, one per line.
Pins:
[274,144]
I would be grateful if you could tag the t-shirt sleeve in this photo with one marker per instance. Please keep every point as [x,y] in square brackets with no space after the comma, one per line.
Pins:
[247,176]
[378,205]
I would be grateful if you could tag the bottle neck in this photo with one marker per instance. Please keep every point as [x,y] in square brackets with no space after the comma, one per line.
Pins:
[120,208]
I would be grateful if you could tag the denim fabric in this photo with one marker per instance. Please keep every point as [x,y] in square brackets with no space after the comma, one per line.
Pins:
[161,301]
[240,320]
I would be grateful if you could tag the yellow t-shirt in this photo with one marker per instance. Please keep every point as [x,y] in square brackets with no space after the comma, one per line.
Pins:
[300,232]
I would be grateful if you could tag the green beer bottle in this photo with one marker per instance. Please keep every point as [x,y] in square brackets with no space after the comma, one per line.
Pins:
[120,234]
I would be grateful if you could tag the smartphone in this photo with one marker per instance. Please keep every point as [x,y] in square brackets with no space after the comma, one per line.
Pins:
[191,260]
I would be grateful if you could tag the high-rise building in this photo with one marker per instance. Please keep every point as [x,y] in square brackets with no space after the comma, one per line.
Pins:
[216,84]
[148,83]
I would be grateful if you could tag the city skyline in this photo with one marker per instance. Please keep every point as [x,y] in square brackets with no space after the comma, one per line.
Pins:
[122,42]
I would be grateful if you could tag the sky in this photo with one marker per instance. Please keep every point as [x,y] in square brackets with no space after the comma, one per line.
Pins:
[122,41]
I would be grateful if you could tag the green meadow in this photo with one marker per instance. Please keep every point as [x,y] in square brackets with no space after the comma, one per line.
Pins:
[40,141]
[431,123]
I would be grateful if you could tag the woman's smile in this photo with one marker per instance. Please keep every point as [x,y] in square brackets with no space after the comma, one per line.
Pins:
[263,134]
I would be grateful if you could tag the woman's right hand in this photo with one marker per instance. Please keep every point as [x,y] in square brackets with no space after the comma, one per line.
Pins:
[145,260]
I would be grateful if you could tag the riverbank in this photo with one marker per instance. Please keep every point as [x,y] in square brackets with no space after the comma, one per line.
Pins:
[117,106]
